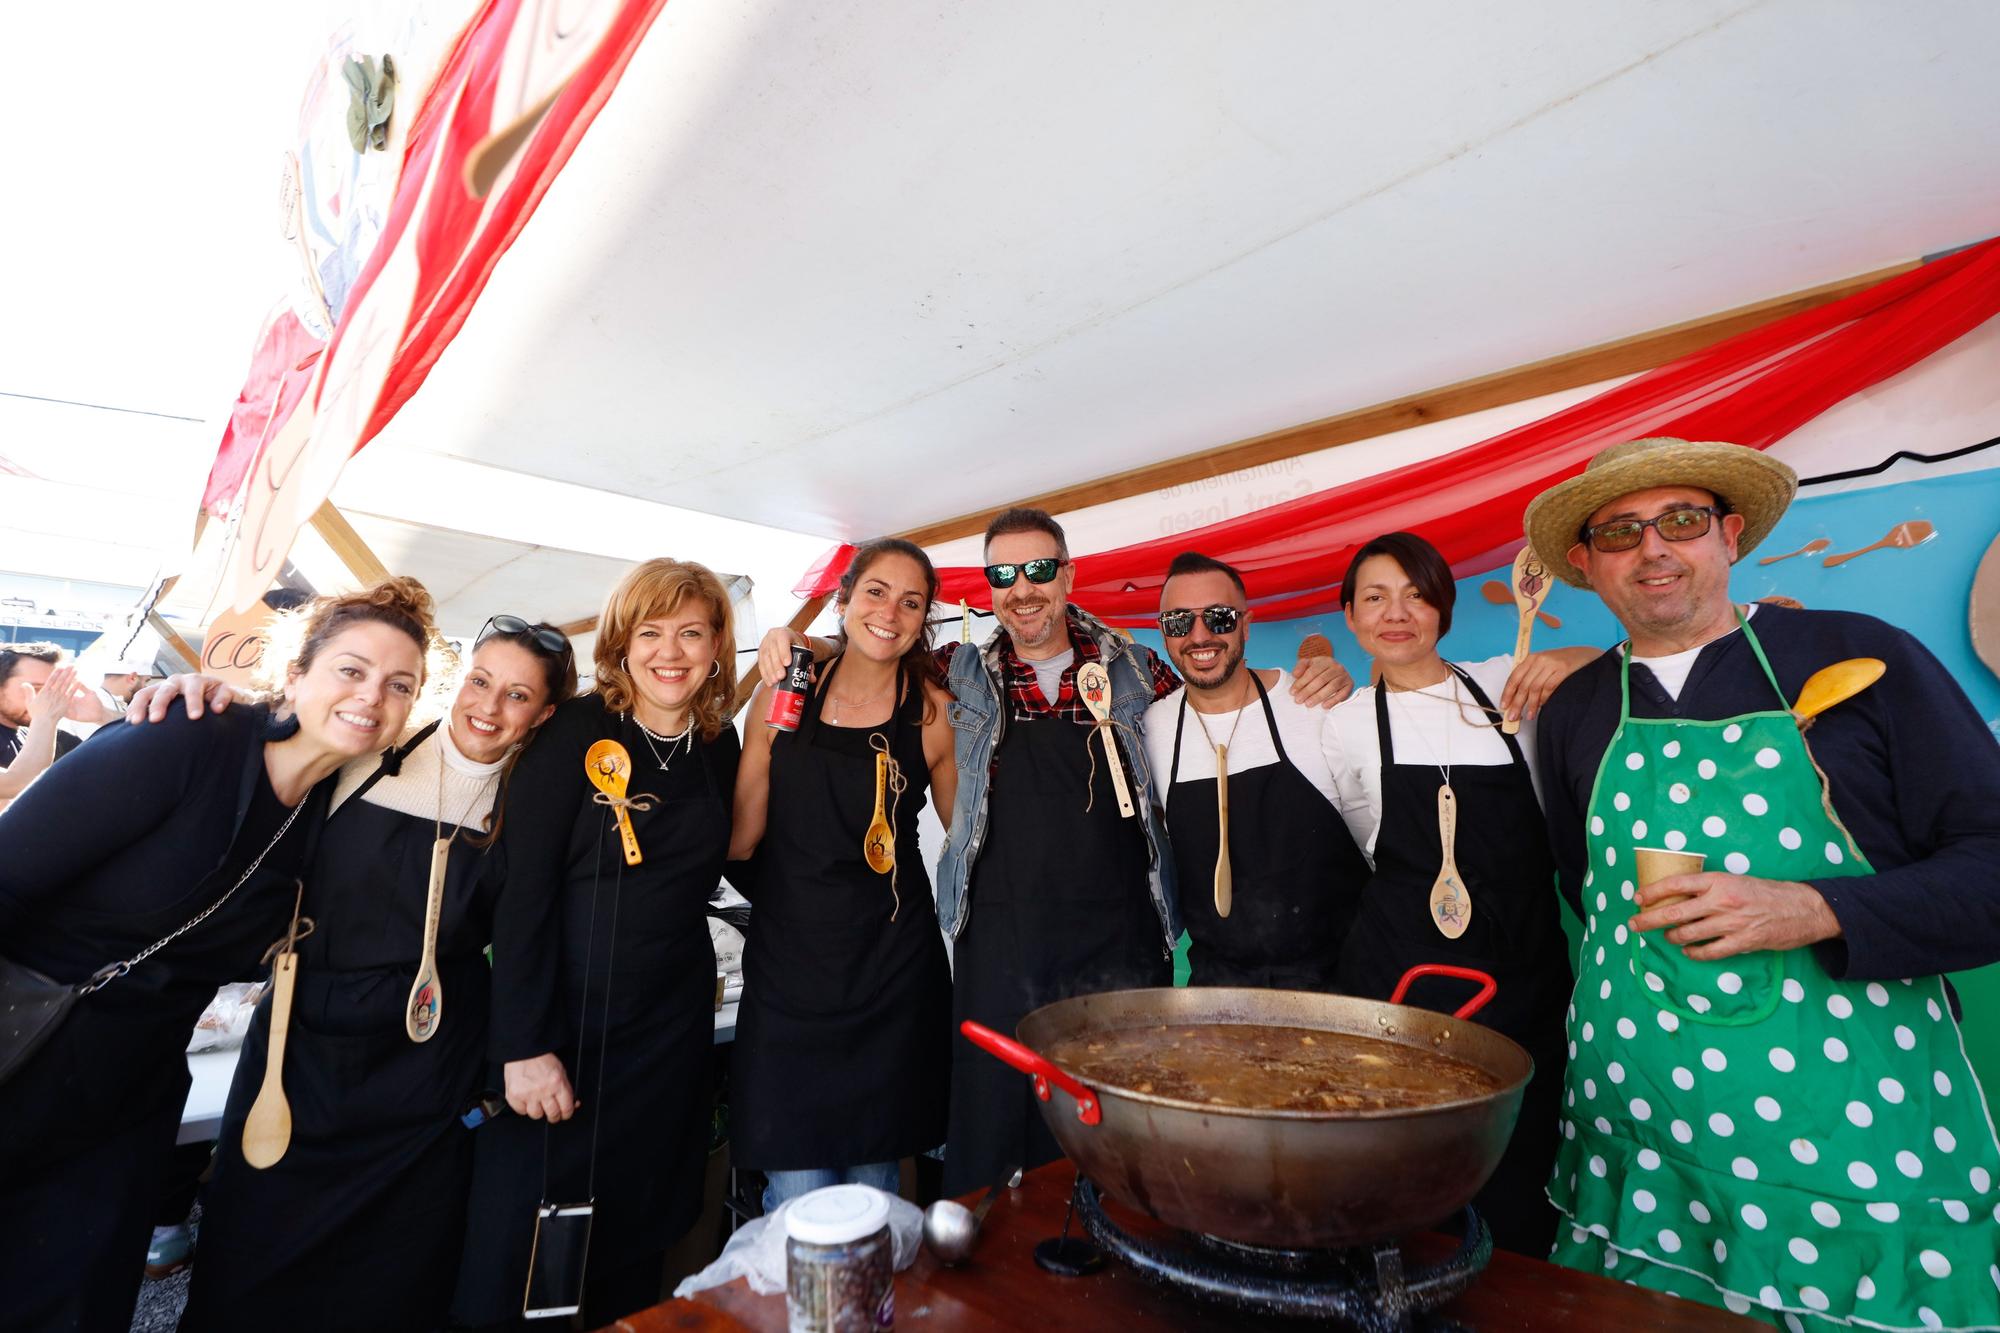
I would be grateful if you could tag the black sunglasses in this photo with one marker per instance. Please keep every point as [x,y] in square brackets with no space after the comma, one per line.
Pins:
[1038,571]
[549,641]
[1219,619]
[1682,523]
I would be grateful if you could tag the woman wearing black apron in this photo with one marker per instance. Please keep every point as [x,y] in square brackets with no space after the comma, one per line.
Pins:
[377,1087]
[142,832]
[1436,730]
[843,1036]
[633,991]
[1295,872]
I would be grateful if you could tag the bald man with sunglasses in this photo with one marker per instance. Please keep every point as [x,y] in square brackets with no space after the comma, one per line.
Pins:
[1073,897]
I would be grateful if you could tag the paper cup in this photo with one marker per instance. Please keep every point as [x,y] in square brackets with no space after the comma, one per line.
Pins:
[1657,863]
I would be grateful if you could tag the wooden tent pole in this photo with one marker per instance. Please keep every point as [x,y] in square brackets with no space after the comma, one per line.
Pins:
[346,543]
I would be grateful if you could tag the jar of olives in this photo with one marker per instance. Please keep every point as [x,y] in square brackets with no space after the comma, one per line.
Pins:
[839,1263]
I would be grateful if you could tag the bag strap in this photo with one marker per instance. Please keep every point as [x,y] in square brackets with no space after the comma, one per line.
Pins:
[110,972]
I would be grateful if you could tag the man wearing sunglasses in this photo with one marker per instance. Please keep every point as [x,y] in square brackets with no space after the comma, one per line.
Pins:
[1772,1030]
[1278,914]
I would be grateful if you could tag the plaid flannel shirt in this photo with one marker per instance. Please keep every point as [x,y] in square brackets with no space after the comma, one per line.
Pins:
[1024,690]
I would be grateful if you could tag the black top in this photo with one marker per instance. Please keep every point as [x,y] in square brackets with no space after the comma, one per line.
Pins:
[10,744]
[1912,770]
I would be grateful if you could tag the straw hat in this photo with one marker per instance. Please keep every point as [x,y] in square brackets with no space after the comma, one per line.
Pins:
[1751,483]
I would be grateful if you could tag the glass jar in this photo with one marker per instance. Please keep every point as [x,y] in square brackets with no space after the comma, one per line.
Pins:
[840,1266]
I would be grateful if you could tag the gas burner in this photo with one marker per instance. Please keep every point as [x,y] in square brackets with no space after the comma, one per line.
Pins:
[1364,1288]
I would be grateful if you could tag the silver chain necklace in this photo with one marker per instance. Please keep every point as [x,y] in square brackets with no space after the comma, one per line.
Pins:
[673,743]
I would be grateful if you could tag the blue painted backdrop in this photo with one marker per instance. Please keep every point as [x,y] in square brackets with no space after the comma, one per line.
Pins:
[1923,590]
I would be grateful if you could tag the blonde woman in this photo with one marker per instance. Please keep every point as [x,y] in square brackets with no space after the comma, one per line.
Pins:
[629,995]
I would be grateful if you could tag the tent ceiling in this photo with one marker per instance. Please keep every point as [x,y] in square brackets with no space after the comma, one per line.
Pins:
[852,267]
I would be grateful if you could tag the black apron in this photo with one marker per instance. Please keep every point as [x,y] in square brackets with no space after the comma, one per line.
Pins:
[649,1120]
[375,1127]
[1503,856]
[1059,906]
[1296,871]
[843,1037]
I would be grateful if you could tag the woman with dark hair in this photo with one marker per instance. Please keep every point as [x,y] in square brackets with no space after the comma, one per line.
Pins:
[379,1068]
[1426,737]
[173,849]
[626,995]
[843,1038]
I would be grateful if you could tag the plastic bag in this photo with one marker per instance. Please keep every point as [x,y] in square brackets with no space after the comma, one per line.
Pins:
[756,1253]
[223,1025]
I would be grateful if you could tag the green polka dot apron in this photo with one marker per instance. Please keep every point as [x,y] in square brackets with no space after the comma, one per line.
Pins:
[1754,1133]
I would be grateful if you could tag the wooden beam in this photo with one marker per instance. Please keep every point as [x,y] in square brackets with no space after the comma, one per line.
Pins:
[1626,356]
[180,647]
[339,534]
[574,627]
[746,685]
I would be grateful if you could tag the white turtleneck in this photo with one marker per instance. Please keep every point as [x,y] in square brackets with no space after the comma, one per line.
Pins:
[435,768]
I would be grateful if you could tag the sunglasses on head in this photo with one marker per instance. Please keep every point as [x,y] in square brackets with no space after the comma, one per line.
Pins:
[1219,619]
[549,641]
[1682,523]
[1038,571]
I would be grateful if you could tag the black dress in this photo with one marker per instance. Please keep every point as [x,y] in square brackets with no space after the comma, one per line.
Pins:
[635,979]
[359,1224]
[122,842]
[1062,907]
[1514,935]
[843,1037]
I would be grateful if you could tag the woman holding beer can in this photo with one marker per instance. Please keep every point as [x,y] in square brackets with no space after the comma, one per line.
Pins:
[843,1039]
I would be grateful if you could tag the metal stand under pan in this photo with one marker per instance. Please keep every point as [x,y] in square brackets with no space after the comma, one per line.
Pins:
[1365,1288]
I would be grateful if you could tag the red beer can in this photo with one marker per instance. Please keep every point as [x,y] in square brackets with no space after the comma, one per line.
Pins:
[788,701]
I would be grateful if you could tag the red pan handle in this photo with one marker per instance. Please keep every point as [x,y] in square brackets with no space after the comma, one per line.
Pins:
[1025,1060]
[1487,990]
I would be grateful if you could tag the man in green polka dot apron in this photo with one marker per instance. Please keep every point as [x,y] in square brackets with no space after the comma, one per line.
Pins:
[1751,1131]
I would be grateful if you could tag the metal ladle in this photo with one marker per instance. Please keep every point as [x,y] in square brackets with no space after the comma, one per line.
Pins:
[951,1229]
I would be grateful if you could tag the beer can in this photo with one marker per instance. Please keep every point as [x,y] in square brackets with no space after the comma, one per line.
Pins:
[788,701]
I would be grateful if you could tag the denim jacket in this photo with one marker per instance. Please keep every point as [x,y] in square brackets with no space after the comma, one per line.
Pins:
[978,722]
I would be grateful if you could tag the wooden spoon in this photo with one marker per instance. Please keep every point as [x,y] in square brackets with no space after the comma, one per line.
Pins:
[610,768]
[1315,645]
[1494,591]
[1813,547]
[1093,682]
[1451,905]
[425,1008]
[1834,684]
[267,1131]
[878,844]
[1531,584]
[1225,887]
[1911,532]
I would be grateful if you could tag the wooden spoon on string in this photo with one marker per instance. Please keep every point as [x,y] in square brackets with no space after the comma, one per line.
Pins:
[1911,532]
[610,767]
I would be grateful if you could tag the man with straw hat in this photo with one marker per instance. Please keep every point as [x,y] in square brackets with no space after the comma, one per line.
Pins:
[1767,1102]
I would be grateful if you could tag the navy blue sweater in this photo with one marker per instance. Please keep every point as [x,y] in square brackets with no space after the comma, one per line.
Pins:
[1912,769]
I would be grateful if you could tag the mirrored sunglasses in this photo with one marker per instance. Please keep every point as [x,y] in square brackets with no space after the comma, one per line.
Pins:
[1682,523]
[1038,571]
[1219,619]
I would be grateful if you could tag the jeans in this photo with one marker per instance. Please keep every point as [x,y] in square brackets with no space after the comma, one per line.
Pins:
[782,1185]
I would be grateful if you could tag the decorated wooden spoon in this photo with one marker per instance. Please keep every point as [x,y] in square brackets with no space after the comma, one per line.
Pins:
[1093,682]
[1911,532]
[1813,547]
[1531,583]
[1451,905]
[610,767]
[267,1131]
[425,1008]
[878,844]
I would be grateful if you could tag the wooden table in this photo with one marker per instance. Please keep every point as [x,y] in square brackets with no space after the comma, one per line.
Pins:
[1001,1288]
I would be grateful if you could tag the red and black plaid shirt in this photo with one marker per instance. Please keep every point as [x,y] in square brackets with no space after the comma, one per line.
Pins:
[1024,689]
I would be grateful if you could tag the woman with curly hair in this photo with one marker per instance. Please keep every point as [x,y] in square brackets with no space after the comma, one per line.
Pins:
[630,992]
[165,860]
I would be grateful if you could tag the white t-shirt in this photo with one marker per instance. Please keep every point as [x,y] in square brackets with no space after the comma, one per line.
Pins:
[1672,670]
[1428,728]
[1302,730]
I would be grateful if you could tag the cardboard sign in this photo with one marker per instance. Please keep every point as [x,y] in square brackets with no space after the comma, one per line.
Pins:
[235,644]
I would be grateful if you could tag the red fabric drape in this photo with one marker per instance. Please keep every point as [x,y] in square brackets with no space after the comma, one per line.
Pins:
[280,370]
[1751,389]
